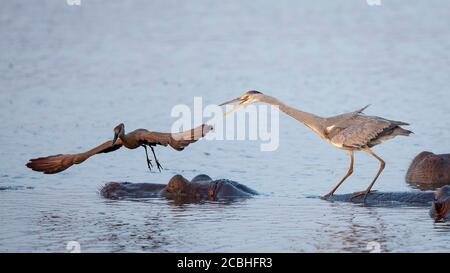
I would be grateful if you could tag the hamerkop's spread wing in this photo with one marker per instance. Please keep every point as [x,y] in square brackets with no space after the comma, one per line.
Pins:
[58,163]
[178,141]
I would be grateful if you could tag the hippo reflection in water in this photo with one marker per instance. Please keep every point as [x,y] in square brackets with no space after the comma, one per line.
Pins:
[201,187]
[429,171]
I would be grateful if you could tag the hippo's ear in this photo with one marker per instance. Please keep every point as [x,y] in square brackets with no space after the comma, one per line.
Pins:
[201,178]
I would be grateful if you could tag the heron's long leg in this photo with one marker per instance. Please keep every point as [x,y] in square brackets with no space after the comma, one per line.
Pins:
[149,162]
[382,165]
[350,171]
[156,160]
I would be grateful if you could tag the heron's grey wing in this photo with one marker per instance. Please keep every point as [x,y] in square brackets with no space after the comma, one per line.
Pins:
[58,163]
[341,120]
[178,141]
[358,131]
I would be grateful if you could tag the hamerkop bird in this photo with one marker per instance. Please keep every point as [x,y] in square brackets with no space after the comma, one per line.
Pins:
[137,138]
[352,131]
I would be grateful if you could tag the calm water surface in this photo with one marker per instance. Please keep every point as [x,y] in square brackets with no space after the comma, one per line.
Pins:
[69,74]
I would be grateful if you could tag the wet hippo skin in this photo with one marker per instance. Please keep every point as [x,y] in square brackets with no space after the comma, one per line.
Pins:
[438,201]
[440,208]
[428,170]
[201,187]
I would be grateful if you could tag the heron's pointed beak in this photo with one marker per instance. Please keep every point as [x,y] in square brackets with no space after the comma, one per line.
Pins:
[116,136]
[232,101]
[241,104]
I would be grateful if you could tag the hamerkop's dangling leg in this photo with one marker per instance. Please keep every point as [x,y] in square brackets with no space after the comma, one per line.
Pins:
[382,165]
[350,171]
[156,160]
[149,162]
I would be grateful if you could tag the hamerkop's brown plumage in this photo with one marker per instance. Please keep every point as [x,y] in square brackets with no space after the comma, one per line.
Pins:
[137,138]
[352,131]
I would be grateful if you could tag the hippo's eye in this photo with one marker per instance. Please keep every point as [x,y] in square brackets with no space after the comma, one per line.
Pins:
[169,189]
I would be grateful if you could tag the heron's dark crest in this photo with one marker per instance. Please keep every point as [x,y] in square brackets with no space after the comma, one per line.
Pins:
[253,92]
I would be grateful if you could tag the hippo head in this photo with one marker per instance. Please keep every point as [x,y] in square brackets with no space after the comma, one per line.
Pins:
[429,171]
[178,185]
[180,189]
[441,203]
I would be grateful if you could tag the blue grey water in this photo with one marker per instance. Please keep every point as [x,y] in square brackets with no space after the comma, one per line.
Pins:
[69,74]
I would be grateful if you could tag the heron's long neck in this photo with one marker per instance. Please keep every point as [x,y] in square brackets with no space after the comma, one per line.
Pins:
[314,122]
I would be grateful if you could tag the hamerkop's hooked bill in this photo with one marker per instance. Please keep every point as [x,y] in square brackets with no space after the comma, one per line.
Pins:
[137,138]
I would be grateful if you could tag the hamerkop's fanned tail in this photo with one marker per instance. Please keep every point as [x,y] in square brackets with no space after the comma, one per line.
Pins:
[58,163]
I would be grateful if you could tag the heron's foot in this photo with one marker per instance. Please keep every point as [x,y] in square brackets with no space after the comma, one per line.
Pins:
[358,194]
[361,193]
[326,196]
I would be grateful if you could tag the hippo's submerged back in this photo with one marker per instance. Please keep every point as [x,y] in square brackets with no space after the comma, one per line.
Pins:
[225,189]
[438,201]
[388,198]
[120,190]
